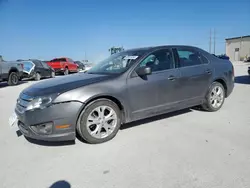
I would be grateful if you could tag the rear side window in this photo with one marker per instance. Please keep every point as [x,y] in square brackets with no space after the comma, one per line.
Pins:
[38,64]
[189,58]
[62,59]
[204,59]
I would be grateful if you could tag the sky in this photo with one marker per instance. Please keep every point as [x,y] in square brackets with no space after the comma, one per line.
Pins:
[46,29]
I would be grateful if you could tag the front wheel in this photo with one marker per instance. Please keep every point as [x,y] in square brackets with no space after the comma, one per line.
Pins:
[99,121]
[215,97]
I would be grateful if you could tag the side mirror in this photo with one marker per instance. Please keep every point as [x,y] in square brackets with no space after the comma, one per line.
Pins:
[143,71]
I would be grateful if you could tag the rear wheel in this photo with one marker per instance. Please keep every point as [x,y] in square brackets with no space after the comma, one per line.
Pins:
[99,121]
[13,79]
[215,97]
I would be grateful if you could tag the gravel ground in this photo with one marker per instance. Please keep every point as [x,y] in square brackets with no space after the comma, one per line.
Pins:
[189,149]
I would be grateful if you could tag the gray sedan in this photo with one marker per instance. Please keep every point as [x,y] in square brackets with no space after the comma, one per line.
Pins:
[128,86]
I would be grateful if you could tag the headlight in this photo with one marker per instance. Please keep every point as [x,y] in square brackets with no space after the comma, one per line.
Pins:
[40,102]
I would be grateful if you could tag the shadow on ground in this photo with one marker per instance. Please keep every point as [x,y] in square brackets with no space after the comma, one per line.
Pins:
[5,84]
[155,118]
[51,144]
[242,79]
[60,184]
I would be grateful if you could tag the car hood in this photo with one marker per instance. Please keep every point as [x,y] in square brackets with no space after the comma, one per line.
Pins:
[63,83]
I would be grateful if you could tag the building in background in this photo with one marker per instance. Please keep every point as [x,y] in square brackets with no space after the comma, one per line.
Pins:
[238,48]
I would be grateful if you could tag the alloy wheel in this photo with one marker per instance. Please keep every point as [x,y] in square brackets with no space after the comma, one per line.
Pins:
[217,97]
[101,122]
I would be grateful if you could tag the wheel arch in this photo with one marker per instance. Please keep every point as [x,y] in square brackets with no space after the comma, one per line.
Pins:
[12,69]
[108,97]
[223,83]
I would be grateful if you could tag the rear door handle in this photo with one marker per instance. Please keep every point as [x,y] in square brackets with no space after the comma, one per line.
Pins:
[172,78]
[208,71]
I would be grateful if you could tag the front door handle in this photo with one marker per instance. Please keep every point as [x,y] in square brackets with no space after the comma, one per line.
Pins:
[208,71]
[172,78]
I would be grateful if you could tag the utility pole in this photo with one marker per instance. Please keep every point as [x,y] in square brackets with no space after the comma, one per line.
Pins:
[214,42]
[210,40]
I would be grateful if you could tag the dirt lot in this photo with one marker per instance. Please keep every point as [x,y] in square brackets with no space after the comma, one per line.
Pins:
[189,149]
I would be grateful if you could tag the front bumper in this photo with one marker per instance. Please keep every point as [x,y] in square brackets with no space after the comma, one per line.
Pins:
[62,117]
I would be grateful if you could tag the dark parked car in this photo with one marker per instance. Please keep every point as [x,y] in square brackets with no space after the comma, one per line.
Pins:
[248,70]
[38,71]
[128,86]
[80,65]
[223,56]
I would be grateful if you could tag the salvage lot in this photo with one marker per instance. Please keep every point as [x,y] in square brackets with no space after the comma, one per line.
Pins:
[190,148]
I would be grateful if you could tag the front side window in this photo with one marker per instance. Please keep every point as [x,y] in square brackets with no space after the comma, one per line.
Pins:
[117,63]
[159,60]
[38,64]
[189,58]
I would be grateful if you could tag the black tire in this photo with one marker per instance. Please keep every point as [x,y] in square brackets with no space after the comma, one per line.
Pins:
[207,105]
[37,76]
[66,71]
[82,120]
[53,74]
[13,79]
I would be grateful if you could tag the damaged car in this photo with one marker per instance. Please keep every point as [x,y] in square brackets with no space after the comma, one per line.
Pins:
[127,86]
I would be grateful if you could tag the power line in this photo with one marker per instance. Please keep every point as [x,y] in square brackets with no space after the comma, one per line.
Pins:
[210,40]
[214,41]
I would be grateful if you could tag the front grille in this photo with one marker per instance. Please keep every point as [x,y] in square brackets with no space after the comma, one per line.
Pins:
[22,102]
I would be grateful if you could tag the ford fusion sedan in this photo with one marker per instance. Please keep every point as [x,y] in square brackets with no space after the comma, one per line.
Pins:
[128,86]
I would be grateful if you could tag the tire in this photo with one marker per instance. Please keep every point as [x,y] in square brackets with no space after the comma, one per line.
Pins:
[211,99]
[37,76]
[100,131]
[13,79]
[53,74]
[66,71]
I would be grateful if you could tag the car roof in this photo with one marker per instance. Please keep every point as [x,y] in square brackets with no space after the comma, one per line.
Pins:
[162,46]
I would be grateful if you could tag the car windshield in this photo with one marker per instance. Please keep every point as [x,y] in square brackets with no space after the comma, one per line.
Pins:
[117,63]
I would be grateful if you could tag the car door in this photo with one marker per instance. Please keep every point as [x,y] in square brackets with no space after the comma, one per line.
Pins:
[40,68]
[157,92]
[195,74]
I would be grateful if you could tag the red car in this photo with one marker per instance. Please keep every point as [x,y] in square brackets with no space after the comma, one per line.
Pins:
[63,65]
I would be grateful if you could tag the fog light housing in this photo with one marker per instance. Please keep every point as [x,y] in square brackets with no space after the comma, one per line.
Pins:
[45,128]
